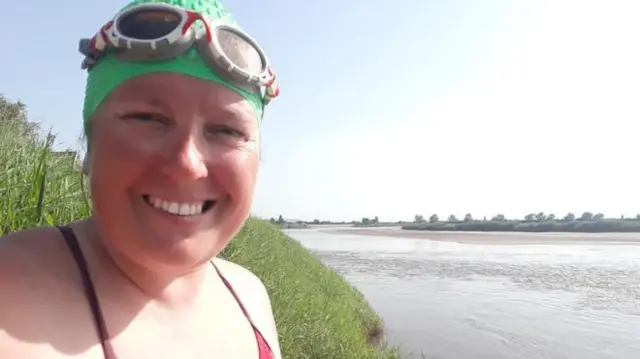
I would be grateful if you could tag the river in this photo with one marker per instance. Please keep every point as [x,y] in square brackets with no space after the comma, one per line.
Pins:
[449,300]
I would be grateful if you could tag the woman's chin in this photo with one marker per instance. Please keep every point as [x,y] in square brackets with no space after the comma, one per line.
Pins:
[168,252]
[162,239]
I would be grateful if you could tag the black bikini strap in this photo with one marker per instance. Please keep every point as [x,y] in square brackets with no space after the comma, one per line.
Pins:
[90,292]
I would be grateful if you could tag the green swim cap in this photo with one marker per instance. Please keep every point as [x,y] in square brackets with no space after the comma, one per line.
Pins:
[109,72]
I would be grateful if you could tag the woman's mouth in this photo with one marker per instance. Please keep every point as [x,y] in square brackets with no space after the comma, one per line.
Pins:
[179,208]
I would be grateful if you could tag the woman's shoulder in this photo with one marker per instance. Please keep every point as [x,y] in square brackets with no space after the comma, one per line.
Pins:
[28,252]
[237,273]
[39,290]
[255,298]
[33,262]
[247,286]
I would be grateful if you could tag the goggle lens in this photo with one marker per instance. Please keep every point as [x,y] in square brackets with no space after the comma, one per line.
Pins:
[148,24]
[239,51]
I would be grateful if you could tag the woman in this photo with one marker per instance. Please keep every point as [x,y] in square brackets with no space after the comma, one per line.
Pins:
[174,98]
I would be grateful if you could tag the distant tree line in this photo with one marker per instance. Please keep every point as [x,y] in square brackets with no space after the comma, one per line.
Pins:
[363,222]
[374,222]
[281,221]
[532,222]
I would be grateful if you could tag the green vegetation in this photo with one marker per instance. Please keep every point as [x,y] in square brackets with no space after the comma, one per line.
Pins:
[318,314]
[288,224]
[375,222]
[364,222]
[533,222]
[37,186]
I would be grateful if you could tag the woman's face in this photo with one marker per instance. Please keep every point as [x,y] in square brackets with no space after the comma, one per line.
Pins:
[174,161]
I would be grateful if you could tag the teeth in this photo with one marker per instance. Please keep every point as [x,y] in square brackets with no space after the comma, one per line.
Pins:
[180,209]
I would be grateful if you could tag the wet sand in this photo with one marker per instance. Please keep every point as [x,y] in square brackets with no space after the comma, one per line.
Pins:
[497,238]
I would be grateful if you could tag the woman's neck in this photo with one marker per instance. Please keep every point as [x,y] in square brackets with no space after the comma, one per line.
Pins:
[168,287]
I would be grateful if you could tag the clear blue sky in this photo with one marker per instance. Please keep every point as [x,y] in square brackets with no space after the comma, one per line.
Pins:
[404,107]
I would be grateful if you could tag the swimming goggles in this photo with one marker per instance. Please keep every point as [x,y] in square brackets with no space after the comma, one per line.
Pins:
[153,32]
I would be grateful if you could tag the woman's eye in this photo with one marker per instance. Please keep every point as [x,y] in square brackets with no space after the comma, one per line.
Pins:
[146,117]
[224,131]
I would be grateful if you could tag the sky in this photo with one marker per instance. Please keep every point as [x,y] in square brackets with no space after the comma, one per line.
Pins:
[393,109]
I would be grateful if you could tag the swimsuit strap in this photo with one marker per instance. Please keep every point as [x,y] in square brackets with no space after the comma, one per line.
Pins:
[89,290]
[264,350]
[70,238]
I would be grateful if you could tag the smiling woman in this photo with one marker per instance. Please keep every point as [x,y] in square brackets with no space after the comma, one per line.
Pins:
[318,314]
[172,117]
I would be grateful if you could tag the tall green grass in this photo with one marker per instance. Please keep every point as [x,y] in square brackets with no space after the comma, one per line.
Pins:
[318,314]
[37,186]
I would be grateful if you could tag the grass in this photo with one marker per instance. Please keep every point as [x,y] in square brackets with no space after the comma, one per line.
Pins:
[318,314]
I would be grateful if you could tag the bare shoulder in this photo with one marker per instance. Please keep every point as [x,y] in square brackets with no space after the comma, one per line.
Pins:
[28,255]
[237,273]
[28,273]
[39,288]
[248,286]
[255,298]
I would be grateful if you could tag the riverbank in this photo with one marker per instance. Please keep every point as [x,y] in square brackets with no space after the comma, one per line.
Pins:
[497,238]
[318,313]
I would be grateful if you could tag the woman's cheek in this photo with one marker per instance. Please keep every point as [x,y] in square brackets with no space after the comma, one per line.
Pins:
[238,169]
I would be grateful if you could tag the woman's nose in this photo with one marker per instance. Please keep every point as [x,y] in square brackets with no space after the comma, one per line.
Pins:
[186,162]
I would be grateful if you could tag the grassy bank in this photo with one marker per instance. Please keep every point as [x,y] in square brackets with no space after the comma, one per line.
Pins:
[577,226]
[318,314]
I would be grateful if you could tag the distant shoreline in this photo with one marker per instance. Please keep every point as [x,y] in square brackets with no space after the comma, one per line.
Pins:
[498,238]
[545,225]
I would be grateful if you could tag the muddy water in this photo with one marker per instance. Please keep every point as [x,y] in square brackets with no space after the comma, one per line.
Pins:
[457,301]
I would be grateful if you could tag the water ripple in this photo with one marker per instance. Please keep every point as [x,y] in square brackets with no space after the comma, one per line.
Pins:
[600,287]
